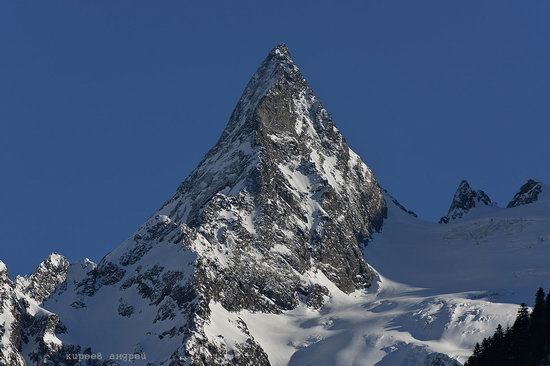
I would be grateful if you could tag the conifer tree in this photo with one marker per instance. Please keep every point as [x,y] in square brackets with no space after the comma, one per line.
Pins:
[475,357]
[537,331]
[520,346]
[526,343]
[499,347]
[547,324]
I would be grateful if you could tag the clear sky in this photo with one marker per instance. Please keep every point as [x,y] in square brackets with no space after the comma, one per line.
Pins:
[105,106]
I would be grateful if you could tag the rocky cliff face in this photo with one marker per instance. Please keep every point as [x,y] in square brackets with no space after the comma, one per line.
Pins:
[280,196]
[464,200]
[45,279]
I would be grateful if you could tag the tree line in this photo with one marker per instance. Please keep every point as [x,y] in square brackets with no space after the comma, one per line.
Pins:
[525,343]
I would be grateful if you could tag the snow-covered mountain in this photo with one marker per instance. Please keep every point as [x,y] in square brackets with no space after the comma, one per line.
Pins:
[529,193]
[465,200]
[281,248]
[28,331]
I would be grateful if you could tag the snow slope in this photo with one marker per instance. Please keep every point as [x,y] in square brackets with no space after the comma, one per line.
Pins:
[439,290]
[502,250]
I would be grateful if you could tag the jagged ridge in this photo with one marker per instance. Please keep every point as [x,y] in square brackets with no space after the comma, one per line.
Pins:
[464,200]
[27,331]
[528,193]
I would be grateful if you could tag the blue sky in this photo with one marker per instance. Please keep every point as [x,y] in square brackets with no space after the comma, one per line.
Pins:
[105,106]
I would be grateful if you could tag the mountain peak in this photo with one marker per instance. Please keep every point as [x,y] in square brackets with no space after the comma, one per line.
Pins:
[3,270]
[277,60]
[281,149]
[49,274]
[464,185]
[277,114]
[276,69]
[528,193]
[278,57]
[281,50]
[464,200]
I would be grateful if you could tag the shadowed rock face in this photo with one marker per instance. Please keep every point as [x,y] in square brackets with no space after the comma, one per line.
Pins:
[280,196]
[528,193]
[464,200]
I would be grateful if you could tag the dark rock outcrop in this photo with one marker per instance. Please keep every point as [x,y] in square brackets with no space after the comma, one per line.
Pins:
[528,193]
[464,200]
